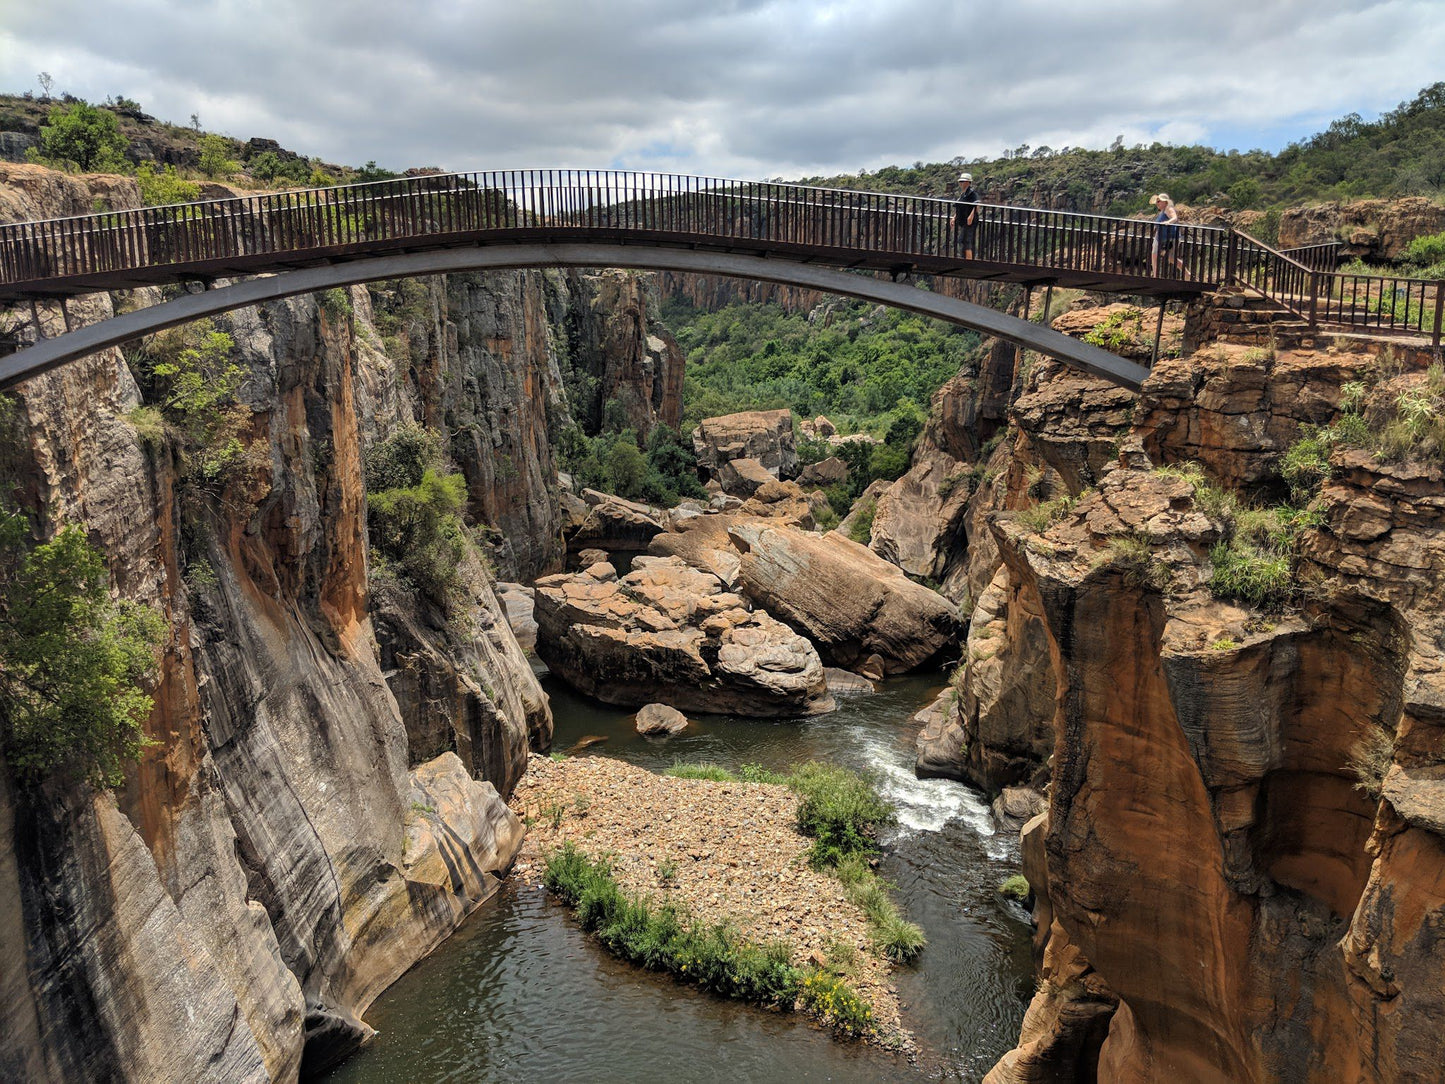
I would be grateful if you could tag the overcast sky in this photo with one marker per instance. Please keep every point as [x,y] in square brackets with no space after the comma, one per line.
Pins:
[741,88]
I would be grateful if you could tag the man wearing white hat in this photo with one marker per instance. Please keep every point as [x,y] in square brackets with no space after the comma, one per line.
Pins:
[965,215]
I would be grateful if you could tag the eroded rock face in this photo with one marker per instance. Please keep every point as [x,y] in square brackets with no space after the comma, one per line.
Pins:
[259,878]
[1235,410]
[615,525]
[842,596]
[614,332]
[1202,800]
[764,435]
[668,632]
[1373,229]
[462,688]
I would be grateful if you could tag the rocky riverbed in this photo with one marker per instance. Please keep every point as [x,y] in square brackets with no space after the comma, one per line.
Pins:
[726,852]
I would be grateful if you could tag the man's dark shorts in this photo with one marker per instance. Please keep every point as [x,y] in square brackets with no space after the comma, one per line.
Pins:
[966,237]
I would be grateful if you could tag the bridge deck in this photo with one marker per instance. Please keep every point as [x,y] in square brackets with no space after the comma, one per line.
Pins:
[863,230]
[868,231]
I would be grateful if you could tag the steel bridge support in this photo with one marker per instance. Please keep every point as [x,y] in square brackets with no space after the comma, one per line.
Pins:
[46,355]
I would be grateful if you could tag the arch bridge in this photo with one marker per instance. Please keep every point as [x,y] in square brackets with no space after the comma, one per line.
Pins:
[820,238]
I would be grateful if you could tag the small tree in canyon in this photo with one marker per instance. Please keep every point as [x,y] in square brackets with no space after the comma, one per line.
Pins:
[74,663]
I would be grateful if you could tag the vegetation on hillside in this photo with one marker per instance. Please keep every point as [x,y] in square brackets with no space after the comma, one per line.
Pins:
[74,663]
[661,471]
[1400,154]
[192,383]
[868,368]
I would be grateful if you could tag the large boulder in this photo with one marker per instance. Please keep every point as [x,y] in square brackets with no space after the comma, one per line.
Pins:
[667,632]
[764,435]
[825,472]
[743,477]
[615,525]
[659,720]
[846,599]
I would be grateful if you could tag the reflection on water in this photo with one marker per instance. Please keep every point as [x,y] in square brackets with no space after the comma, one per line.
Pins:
[519,995]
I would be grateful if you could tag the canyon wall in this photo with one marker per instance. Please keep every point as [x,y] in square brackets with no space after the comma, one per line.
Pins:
[1219,896]
[323,801]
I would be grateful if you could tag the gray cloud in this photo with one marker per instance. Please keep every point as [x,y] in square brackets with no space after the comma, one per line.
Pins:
[728,87]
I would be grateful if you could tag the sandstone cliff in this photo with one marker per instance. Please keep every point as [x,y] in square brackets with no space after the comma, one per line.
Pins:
[323,803]
[1218,899]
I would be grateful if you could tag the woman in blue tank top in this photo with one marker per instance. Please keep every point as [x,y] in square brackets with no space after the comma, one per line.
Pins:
[1165,234]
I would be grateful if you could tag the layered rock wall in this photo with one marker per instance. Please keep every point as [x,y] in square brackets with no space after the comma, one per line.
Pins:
[1218,899]
[321,805]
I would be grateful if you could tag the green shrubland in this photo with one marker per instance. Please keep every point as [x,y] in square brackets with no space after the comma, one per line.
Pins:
[414,512]
[74,663]
[192,385]
[612,461]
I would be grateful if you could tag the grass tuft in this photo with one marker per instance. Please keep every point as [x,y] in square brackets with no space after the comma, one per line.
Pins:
[713,773]
[1370,759]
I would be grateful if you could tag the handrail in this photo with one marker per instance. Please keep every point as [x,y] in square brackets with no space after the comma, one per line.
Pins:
[1383,303]
[845,227]
[1314,256]
[231,234]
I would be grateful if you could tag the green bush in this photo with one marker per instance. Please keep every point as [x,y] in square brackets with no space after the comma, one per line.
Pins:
[861,529]
[165,187]
[401,459]
[84,137]
[216,160]
[73,662]
[1425,251]
[840,811]
[190,375]
[836,1003]
[419,533]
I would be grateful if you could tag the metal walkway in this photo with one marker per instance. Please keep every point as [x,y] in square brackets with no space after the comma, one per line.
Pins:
[381,229]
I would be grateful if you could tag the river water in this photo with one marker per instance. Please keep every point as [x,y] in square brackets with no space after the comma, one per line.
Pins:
[518,994]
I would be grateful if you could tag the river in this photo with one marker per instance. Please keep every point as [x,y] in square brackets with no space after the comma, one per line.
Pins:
[518,994]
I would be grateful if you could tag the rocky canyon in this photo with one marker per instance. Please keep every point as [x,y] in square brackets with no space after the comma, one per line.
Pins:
[1191,641]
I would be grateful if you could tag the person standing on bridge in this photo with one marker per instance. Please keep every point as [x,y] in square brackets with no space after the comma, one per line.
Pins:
[1166,234]
[964,219]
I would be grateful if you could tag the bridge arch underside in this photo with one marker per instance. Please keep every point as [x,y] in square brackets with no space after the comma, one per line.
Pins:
[49,353]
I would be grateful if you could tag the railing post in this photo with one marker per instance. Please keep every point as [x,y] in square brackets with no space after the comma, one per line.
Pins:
[1231,258]
[1314,299]
[1439,312]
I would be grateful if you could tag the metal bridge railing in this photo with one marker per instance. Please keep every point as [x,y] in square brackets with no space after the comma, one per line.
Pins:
[277,230]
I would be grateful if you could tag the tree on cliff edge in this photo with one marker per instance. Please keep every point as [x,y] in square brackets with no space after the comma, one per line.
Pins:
[82,137]
[74,663]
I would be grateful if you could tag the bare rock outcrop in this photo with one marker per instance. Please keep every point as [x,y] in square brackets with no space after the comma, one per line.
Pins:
[1235,410]
[615,525]
[744,477]
[1372,229]
[764,435]
[668,632]
[843,597]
